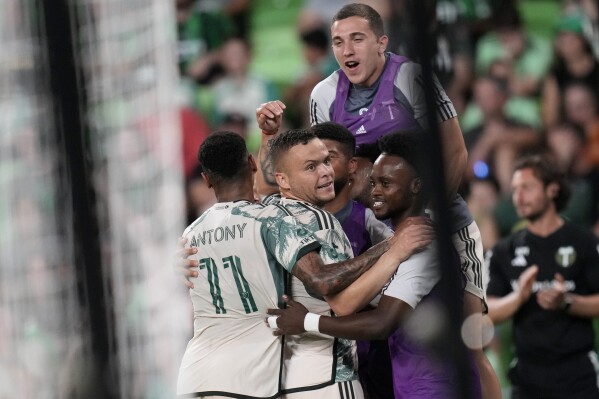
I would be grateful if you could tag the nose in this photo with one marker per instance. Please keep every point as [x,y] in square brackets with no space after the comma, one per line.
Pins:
[516,196]
[375,189]
[327,170]
[348,49]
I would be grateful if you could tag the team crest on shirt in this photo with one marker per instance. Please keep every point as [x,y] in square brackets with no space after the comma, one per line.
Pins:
[519,256]
[565,256]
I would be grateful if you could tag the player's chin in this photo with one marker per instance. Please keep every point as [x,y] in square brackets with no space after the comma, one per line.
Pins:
[380,210]
[325,194]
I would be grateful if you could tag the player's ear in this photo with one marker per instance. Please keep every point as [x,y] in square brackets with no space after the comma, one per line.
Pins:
[552,190]
[207,180]
[382,43]
[252,163]
[282,181]
[416,186]
[353,165]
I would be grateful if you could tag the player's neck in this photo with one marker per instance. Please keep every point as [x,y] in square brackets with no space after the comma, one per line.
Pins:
[546,224]
[414,210]
[341,199]
[235,192]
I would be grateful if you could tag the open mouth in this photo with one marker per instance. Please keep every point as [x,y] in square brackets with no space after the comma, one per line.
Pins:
[377,204]
[352,65]
[326,185]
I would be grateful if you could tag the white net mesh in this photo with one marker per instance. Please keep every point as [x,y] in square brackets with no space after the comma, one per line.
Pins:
[129,79]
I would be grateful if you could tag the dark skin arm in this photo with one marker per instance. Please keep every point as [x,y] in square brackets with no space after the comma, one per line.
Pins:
[378,323]
[183,265]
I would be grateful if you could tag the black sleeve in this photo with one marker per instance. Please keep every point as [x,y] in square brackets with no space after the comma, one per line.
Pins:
[591,264]
[497,260]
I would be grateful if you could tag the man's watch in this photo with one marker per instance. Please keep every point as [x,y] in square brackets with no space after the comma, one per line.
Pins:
[567,302]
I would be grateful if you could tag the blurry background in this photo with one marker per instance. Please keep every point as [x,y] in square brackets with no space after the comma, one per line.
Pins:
[104,103]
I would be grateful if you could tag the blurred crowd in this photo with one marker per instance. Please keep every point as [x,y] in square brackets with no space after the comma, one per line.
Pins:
[522,74]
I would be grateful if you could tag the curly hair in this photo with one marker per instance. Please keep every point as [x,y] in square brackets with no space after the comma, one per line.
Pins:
[223,156]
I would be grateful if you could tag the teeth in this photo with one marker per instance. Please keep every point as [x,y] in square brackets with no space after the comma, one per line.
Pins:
[377,203]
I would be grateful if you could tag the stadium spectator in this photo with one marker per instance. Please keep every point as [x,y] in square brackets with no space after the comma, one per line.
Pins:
[200,36]
[240,91]
[574,63]
[511,52]
[498,140]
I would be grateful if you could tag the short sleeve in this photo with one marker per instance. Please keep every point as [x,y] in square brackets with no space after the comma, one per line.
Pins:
[377,230]
[410,83]
[285,238]
[322,98]
[592,264]
[415,277]
[499,285]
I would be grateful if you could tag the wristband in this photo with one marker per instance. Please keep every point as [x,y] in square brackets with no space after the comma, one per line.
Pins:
[264,132]
[311,322]
[272,321]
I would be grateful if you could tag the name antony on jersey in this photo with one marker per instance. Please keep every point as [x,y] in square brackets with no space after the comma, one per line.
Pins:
[217,235]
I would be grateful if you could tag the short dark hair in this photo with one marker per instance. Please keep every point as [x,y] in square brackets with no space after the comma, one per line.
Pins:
[411,146]
[548,172]
[375,22]
[286,140]
[223,156]
[370,151]
[408,144]
[335,132]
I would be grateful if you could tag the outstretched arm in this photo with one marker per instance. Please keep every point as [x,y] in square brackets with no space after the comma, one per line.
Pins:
[373,324]
[410,236]
[269,117]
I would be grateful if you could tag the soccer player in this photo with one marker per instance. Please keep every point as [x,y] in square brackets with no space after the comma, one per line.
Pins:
[362,229]
[398,192]
[546,277]
[242,248]
[375,93]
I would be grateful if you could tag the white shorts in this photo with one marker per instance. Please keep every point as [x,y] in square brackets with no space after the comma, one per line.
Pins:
[469,246]
[339,390]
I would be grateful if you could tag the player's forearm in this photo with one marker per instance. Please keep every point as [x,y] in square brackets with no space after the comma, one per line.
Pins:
[501,309]
[584,305]
[365,288]
[455,155]
[366,325]
[265,182]
[326,280]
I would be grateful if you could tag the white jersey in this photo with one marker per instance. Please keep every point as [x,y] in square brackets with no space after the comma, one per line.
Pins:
[241,248]
[315,359]
[416,277]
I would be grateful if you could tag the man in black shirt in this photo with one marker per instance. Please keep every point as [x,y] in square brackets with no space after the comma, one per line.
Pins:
[546,277]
